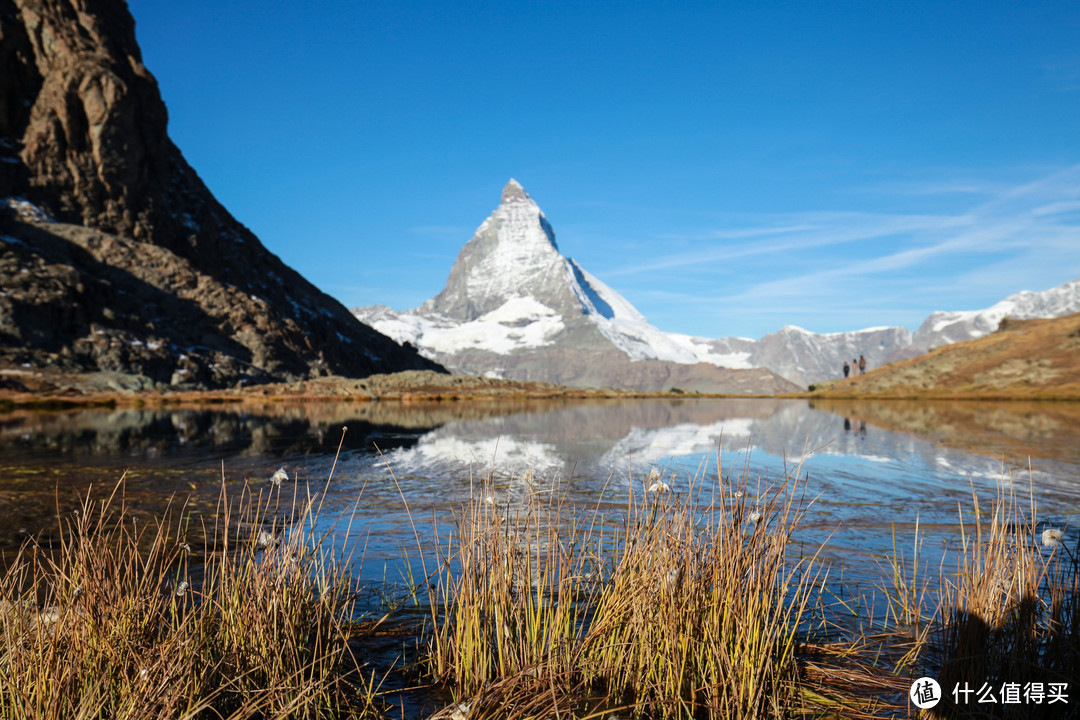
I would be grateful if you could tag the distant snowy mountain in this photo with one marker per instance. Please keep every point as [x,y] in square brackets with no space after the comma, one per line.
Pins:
[805,357]
[943,328]
[515,307]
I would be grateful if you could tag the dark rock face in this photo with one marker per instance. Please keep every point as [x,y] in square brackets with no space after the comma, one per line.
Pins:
[83,137]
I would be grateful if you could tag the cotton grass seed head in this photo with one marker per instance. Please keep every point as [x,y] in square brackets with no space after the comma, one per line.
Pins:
[659,487]
[1051,537]
[754,517]
[279,477]
[654,475]
[265,539]
[182,588]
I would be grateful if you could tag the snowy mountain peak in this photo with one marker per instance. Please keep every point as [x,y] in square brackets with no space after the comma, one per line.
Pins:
[513,254]
[513,192]
[511,291]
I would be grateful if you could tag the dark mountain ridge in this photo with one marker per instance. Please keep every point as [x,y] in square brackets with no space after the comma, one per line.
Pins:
[142,254]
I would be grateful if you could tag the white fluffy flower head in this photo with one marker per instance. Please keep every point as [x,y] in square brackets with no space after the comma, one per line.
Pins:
[1051,537]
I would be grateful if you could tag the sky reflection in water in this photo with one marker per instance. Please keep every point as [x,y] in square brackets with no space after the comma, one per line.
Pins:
[866,481]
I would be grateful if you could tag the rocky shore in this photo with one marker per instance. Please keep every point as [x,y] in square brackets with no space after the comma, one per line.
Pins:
[30,387]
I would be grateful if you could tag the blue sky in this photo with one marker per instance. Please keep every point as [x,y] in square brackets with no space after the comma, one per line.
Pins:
[730,168]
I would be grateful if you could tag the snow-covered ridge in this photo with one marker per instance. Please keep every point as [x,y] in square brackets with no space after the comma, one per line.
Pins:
[942,328]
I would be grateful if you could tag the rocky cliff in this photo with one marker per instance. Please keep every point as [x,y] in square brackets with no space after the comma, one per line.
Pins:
[142,256]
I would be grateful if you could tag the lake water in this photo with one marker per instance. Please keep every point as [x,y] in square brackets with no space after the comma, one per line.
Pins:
[874,469]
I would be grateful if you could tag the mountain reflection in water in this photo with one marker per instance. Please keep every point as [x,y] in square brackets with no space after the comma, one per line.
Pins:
[874,468]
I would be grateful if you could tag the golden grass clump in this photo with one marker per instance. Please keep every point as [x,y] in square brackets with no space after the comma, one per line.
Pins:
[126,619]
[1011,611]
[687,606]
[1002,617]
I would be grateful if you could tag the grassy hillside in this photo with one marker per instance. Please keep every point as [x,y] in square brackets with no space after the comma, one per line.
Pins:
[1025,359]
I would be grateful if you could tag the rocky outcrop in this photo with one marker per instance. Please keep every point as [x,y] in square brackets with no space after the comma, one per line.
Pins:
[86,123]
[143,255]
[75,298]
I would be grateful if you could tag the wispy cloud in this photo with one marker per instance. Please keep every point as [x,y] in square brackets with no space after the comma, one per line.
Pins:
[837,264]
[814,231]
[744,233]
[1057,208]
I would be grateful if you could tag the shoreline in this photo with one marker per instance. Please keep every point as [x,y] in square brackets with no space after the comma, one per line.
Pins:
[41,389]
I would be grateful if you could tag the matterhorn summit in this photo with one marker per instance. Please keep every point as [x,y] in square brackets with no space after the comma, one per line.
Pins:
[511,257]
[514,306]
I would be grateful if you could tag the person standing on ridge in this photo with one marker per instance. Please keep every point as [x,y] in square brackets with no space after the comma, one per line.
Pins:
[862,365]
[847,369]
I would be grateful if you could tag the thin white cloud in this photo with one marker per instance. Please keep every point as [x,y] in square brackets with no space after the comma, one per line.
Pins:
[1063,75]
[1023,237]
[922,188]
[1057,208]
[822,230]
[757,232]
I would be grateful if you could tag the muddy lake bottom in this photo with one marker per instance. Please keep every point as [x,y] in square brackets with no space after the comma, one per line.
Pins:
[873,471]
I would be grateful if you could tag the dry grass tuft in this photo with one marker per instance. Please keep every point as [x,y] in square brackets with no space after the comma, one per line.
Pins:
[1011,613]
[687,607]
[128,620]
[1005,612]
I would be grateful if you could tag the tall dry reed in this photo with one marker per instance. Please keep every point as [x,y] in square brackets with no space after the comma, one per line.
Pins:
[688,607]
[246,617]
[1010,612]
[1003,616]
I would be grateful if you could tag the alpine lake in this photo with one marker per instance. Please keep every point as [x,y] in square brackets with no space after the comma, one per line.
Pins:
[873,476]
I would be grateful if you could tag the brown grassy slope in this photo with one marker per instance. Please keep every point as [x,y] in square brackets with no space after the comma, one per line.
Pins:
[1028,359]
[50,387]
